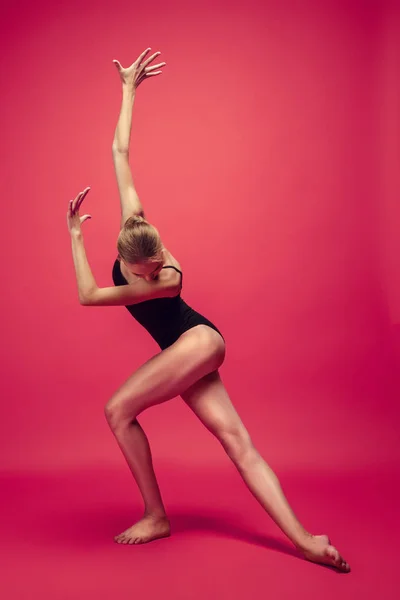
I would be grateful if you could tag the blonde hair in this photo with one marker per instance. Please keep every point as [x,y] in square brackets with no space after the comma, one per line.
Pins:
[139,241]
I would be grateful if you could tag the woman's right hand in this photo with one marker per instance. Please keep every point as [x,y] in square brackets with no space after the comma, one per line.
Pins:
[134,75]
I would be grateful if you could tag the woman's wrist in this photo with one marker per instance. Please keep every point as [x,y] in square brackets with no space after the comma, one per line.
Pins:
[128,89]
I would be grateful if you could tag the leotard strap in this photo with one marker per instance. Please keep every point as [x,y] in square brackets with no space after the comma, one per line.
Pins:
[172,267]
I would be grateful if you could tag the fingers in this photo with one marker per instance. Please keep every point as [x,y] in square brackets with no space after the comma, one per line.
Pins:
[141,57]
[82,197]
[138,61]
[152,57]
[148,72]
[79,199]
[155,67]
[145,75]
[138,70]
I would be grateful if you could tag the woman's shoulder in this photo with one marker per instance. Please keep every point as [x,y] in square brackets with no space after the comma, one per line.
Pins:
[170,260]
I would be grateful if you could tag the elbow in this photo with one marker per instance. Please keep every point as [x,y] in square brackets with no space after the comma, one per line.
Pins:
[118,149]
[87,299]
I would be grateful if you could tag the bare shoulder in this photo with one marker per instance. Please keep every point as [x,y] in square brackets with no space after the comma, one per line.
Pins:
[169,259]
[165,276]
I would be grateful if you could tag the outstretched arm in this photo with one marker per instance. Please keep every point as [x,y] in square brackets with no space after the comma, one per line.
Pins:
[130,203]
[131,79]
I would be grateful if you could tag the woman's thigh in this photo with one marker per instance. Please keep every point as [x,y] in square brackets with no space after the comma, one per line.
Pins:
[197,352]
[210,402]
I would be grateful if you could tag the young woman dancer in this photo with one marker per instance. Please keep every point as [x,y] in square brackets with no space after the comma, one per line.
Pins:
[147,281]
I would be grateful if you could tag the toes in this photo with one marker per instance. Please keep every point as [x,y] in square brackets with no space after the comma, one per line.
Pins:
[125,538]
[345,566]
[337,560]
[333,554]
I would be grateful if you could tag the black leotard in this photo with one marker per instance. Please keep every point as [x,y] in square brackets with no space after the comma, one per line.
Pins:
[164,318]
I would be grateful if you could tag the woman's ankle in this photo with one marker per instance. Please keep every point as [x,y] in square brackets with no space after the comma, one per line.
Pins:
[155,514]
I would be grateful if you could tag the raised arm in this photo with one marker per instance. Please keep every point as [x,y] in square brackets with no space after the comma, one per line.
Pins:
[131,78]
[165,286]
[129,199]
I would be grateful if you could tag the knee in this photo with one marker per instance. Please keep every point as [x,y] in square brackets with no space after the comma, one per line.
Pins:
[111,413]
[116,415]
[237,444]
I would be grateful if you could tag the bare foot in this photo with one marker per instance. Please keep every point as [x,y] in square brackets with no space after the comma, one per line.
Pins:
[319,549]
[147,529]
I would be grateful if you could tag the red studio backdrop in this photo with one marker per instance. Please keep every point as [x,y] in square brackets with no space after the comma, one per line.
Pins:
[267,155]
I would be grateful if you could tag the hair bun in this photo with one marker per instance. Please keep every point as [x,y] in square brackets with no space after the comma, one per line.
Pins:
[135,220]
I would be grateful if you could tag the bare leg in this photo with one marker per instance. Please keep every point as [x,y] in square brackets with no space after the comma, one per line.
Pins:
[209,400]
[265,487]
[197,352]
[135,447]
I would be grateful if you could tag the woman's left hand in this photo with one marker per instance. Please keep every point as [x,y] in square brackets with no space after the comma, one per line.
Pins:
[74,221]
